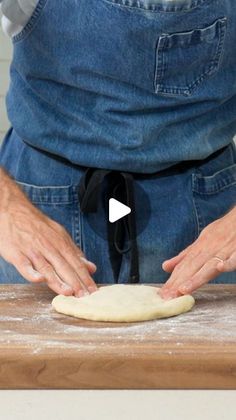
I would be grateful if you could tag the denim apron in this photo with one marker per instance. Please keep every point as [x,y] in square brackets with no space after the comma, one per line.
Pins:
[143,87]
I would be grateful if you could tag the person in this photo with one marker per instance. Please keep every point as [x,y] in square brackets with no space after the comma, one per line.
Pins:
[128,99]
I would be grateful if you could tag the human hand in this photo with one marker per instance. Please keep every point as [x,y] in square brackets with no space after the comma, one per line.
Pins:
[212,253]
[40,248]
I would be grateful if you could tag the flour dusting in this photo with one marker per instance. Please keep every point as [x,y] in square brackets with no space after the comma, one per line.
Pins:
[28,319]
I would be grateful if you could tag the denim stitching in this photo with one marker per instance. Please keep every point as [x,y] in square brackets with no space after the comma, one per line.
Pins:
[159,71]
[215,190]
[138,5]
[211,69]
[221,171]
[195,213]
[31,23]
[200,222]
[216,60]
[76,226]
[196,192]
[226,181]
[49,195]
[82,241]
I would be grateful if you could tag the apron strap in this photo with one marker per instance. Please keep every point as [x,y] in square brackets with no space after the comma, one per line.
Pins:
[120,187]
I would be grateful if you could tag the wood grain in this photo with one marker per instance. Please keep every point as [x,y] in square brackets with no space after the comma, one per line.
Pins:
[42,349]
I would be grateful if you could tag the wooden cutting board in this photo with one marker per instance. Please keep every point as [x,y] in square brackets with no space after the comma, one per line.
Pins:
[40,348]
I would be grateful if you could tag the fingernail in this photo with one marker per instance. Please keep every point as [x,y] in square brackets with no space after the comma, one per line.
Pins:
[186,287]
[65,286]
[83,293]
[34,273]
[169,295]
[92,289]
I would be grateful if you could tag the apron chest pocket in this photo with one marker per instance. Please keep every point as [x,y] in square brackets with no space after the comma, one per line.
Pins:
[186,59]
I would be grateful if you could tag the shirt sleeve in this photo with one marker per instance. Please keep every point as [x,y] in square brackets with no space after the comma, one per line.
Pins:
[15,14]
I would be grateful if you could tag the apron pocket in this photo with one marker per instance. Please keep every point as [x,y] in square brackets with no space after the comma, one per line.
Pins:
[59,203]
[185,59]
[214,195]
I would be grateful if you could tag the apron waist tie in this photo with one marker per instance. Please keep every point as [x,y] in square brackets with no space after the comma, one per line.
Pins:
[120,187]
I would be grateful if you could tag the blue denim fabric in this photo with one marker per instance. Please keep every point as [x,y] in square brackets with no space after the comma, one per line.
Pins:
[132,85]
[182,202]
[128,85]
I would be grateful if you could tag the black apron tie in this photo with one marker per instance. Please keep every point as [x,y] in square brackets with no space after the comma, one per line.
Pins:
[120,187]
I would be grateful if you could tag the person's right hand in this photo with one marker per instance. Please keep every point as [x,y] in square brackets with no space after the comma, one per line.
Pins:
[40,248]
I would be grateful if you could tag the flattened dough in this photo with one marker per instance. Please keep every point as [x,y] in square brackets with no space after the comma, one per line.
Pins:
[122,303]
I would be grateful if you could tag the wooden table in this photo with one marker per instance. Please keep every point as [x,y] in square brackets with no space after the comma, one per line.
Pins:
[41,349]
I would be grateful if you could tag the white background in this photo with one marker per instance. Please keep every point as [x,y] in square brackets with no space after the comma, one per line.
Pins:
[117,405]
[5,55]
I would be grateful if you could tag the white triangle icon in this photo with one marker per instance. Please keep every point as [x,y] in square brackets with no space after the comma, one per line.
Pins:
[117,210]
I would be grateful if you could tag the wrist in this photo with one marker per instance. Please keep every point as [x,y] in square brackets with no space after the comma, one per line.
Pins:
[9,191]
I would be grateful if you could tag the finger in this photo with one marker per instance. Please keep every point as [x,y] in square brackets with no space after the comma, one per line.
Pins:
[91,266]
[70,248]
[57,285]
[186,269]
[57,264]
[70,253]
[26,269]
[169,294]
[200,263]
[169,265]
[53,279]
[79,253]
[229,264]
[80,267]
[207,273]
[178,275]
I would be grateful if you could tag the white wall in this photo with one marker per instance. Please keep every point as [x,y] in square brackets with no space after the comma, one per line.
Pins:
[117,404]
[5,56]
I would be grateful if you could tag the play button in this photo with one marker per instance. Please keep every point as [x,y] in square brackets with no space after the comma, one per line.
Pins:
[113,211]
[117,210]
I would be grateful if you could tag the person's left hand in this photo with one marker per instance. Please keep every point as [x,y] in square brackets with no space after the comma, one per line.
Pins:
[212,253]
